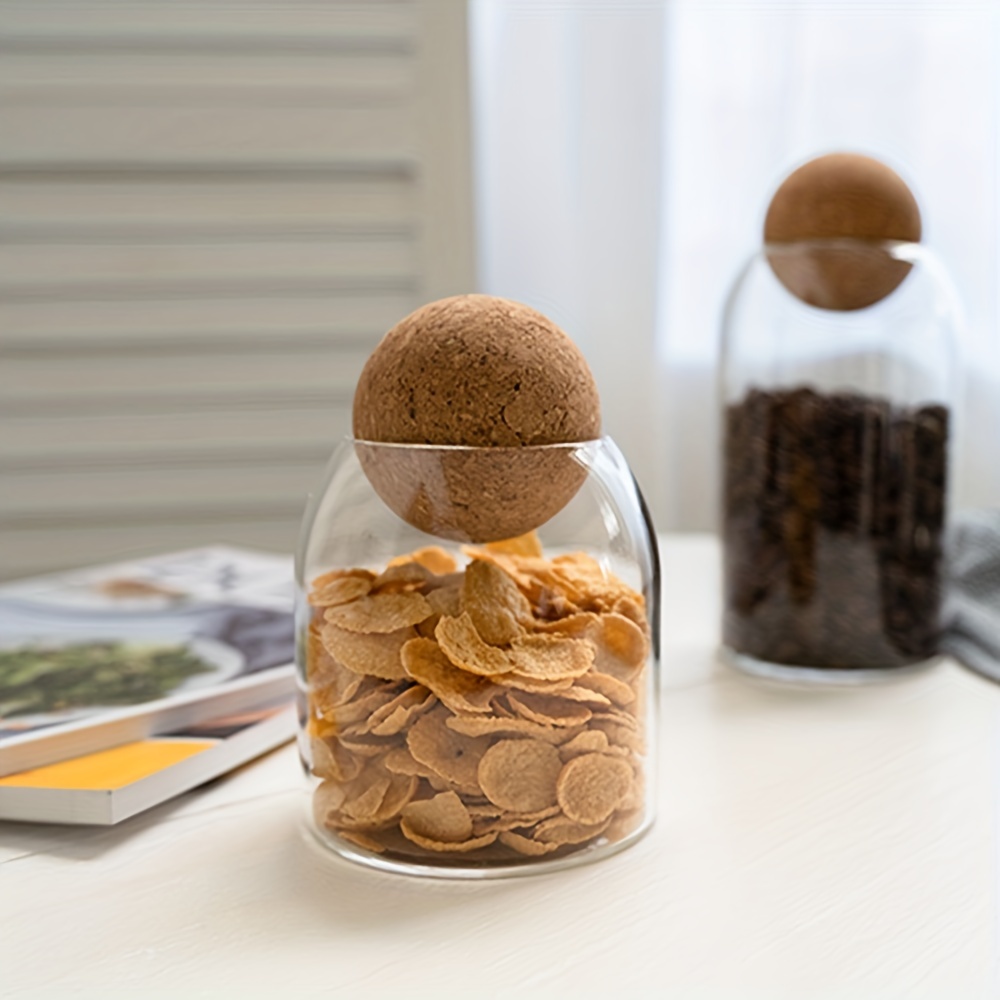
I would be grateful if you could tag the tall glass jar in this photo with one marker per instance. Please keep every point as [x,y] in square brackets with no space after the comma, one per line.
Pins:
[476,710]
[835,459]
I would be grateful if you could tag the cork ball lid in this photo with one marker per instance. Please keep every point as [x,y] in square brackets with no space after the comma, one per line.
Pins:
[830,227]
[476,370]
[492,380]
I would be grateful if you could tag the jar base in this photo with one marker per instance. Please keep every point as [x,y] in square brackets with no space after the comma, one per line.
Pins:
[821,676]
[530,866]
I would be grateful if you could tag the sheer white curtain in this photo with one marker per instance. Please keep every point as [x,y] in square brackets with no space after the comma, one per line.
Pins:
[625,153]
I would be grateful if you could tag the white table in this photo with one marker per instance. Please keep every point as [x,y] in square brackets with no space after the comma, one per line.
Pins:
[810,844]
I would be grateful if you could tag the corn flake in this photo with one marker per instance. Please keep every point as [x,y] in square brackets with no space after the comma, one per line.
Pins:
[611,688]
[447,846]
[551,657]
[590,741]
[332,761]
[442,818]
[561,830]
[324,579]
[499,611]
[537,685]
[446,600]
[371,696]
[449,754]
[408,578]
[619,735]
[465,648]
[327,800]
[458,690]
[576,626]
[621,646]
[399,760]
[510,821]
[632,607]
[376,655]
[394,716]
[380,613]
[526,845]
[399,794]
[362,840]
[340,590]
[432,557]
[479,725]
[549,710]
[370,747]
[363,804]
[522,545]
[520,775]
[592,786]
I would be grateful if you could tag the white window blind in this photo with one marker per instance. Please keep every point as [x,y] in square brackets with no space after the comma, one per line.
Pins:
[209,214]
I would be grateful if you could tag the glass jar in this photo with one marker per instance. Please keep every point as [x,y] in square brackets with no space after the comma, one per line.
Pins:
[476,710]
[835,461]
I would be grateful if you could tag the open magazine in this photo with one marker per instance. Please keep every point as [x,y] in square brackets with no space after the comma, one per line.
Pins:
[102,657]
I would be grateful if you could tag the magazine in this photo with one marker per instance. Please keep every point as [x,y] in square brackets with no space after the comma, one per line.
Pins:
[106,656]
[106,787]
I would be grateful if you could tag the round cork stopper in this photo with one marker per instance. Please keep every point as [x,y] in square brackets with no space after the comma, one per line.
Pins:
[830,227]
[489,381]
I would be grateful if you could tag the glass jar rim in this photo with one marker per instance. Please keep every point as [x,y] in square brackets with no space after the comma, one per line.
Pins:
[457,448]
[909,250]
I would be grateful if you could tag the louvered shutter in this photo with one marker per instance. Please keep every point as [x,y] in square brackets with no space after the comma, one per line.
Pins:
[209,213]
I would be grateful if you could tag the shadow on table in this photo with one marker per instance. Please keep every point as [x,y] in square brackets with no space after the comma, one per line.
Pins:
[87,843]
[340,892]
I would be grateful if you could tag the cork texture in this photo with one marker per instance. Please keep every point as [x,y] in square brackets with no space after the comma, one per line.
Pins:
[856,201]
[482,373]
[475,494]
[476,370]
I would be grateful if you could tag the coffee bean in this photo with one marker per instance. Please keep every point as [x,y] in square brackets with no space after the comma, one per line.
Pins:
[833,516]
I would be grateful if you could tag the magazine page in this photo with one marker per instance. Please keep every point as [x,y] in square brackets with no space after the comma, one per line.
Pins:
[79,647]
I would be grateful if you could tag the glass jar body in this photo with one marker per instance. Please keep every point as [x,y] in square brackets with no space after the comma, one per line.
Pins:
[835,462]
[476,710]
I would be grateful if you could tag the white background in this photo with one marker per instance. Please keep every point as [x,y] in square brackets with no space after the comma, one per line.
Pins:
[638,144]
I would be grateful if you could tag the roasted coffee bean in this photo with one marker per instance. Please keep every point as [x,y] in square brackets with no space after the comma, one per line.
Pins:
[833,516]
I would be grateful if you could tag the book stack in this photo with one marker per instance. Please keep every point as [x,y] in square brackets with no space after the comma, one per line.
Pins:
[123,686]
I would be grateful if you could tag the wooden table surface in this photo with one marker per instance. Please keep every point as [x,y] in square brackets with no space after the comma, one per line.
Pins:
[837,843]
